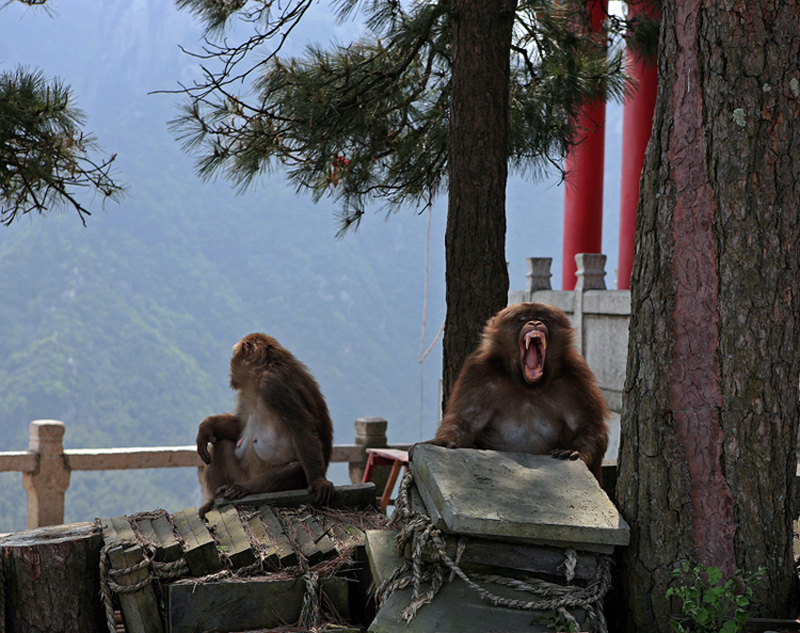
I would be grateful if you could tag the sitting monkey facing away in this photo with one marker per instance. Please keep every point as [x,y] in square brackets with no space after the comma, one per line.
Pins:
[526,389]
[279,438]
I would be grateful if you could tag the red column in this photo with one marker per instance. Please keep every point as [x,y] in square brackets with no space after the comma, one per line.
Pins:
[583,188]
[637,123]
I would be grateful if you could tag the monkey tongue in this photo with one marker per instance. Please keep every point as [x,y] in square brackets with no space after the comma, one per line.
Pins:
[533,357]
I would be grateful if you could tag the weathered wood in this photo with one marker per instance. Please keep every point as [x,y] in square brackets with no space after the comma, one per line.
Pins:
[352,496]
[305,541]
[200,548]
[320,535]
[50,580]
[242,606]
[283,548]
[269,554]
[139,608]
[233,542]
[159,532]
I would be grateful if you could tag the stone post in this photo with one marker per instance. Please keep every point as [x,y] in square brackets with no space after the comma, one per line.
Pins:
[47,485]
[590,274]
[538,274]
[370,433]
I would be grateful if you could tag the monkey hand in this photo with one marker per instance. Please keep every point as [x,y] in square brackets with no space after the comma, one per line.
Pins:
[205,436]
[232,491]
[324,491]
[565,453]
[434,442]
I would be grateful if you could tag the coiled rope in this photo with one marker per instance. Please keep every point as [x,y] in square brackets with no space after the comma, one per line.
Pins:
[417,530]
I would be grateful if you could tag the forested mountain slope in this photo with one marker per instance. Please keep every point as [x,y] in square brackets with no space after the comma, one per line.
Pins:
[122,329]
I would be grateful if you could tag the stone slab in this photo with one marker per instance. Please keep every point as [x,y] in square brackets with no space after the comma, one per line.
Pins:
[245,606]
[455,609]
[517,496]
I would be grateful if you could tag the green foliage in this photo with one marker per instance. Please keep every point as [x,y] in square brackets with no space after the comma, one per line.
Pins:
[709,604]
[45,156]
[370,120]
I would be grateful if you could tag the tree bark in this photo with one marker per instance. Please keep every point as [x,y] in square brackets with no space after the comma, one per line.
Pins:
[710,414]
[51,580]
[476,273]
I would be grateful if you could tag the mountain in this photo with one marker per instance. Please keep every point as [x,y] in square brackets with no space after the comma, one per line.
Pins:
[122,329]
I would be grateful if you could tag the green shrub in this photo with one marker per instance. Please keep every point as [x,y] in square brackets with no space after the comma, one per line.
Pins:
[710,605]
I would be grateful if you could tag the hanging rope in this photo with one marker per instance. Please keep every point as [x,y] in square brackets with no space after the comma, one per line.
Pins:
[418,531]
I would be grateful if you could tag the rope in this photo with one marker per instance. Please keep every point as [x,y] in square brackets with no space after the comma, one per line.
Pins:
[417,528]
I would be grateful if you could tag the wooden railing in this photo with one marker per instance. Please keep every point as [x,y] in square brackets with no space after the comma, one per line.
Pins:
[46,465]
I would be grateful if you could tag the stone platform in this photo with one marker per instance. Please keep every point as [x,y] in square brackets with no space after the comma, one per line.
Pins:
[517,497]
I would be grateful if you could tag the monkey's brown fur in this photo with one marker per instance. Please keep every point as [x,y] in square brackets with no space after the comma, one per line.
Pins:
[279,438]
[537,399]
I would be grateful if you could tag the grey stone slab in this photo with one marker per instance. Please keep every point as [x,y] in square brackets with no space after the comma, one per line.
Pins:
[517,496]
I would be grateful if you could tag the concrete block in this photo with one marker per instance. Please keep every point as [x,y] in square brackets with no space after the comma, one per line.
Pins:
[517,496]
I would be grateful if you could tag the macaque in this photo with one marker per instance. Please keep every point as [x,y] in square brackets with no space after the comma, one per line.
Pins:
[526,389]
[279,438]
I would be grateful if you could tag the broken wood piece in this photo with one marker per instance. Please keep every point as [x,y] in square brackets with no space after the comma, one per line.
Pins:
[283,547]
[263,542]
[128,569]
[233,542]
[320,536]
[158,531]
[200,548]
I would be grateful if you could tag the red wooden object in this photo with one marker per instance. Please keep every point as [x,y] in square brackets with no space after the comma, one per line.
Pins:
[637,124]
[583,189]
[385,457]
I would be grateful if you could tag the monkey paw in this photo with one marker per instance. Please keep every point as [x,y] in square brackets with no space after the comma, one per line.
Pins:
[231,491]
[324,490]
[565,453]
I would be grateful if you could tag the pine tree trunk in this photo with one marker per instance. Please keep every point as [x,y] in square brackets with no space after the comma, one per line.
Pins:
[476,274]
[710,415]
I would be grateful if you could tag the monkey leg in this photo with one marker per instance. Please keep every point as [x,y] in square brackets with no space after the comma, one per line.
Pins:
[289,476]
[224,469]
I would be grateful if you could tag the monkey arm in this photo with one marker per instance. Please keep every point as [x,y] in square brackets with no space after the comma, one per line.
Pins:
[224,426]
[308,449]
[469,409]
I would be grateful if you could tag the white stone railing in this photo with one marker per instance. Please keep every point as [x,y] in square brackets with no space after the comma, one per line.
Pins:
[46,465]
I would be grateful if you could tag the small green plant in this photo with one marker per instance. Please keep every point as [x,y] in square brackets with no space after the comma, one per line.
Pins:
[710,605]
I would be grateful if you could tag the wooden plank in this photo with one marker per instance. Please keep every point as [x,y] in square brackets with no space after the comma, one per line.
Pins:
[244,606]
[351,496]
[233,541]
[139,608]
[169,549]
[348,536]
[200,548]
[284,550]
[268,552]
[305,540]
[320,535]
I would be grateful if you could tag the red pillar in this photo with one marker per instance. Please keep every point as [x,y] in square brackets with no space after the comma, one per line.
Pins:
[583,188]
[637,123]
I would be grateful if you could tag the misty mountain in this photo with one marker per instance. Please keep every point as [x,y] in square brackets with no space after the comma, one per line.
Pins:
[123,329]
